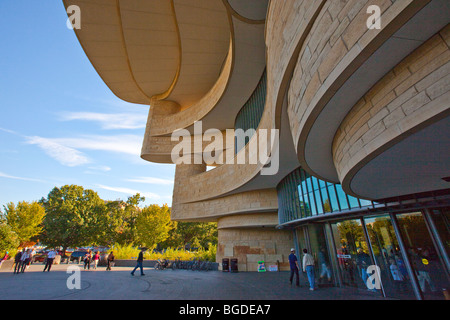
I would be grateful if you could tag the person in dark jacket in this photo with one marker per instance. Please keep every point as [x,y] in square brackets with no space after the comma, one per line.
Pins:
[110,260]
[17,259]
[139,262]
[363,261]
[294,268]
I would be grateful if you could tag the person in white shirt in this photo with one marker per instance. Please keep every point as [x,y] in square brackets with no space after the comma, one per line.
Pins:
[24,260]
[50,257]
[308,267]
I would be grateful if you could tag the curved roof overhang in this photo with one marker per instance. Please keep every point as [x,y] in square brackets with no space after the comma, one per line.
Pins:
[172,49]
[315,152]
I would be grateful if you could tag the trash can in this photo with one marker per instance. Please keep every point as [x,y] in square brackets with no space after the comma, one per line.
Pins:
[225,264]
[234,265]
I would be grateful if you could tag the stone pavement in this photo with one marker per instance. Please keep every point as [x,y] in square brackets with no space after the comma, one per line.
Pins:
[118,284]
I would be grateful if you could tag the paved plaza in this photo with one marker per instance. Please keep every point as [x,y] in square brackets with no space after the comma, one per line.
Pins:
[118,284]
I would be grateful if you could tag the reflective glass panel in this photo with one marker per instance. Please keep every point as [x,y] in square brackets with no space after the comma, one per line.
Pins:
[319,250]
[441,218]
[342,197]
[388,258]
[423,256]
[352,253]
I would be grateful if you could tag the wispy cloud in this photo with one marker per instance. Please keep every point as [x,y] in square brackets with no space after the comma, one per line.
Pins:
[109,121]
[9,131]
[4,175]
[66,150]
[151,180]
[101,168]
[130,192]
[63,154]
[129,144]
[98,170]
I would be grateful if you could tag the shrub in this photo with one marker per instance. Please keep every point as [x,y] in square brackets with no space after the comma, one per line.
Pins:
[132,252]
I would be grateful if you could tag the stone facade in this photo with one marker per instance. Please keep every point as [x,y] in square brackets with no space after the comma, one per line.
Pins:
[311,49]
[414,94]
[250,245]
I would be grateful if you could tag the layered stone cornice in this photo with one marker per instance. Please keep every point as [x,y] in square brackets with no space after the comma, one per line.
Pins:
[341,59]
[281,56]
[411,97]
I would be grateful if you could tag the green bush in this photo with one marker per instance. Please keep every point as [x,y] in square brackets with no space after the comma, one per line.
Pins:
[125,251]
[132,252]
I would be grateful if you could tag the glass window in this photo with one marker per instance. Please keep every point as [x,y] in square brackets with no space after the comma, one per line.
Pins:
[423,256]
[365,203]
[342,197]
[353,202]
[333,198]
[388,258]
[352,253]
[313,203]
[319,250]
[325,200]
[318,201]
[441,218]
[307,196]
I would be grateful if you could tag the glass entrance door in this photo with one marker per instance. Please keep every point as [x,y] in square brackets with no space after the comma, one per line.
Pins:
[319,250]
[352,253]
[429,269]
[386,251]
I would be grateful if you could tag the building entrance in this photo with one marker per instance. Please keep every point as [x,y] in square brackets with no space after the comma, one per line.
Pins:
[401,256]
[353,254]
[428,263]
[387,255]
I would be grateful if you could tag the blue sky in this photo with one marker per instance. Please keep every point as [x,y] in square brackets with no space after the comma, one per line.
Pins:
[60,124]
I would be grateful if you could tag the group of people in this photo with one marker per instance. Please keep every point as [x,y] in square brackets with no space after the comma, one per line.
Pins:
[307,267]
[89,257]
[23,259]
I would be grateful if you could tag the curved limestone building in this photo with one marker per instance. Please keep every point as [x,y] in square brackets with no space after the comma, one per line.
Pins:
[317,124]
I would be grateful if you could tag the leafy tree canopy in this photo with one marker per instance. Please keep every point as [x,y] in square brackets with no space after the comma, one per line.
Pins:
[75,217]
[153,225]
[25,219]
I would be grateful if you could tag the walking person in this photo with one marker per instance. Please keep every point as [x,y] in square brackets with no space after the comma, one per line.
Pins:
[324,269]
[363,262]
[50,257]
[17,258]
[110,261]
[95,258]
[87,260]
[24,260]
[32,254]
[293,263]
[139,262]
[308,267]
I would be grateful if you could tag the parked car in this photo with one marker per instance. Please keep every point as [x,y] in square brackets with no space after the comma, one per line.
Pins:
[40,257]
[77,256]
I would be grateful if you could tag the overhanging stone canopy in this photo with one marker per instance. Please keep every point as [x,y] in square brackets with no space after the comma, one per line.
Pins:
[166,49]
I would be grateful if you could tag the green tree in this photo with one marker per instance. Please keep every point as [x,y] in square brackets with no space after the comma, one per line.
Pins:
[9,241]
[122,217]
[74,217]
[192,233]
[25,219]
[153,225]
